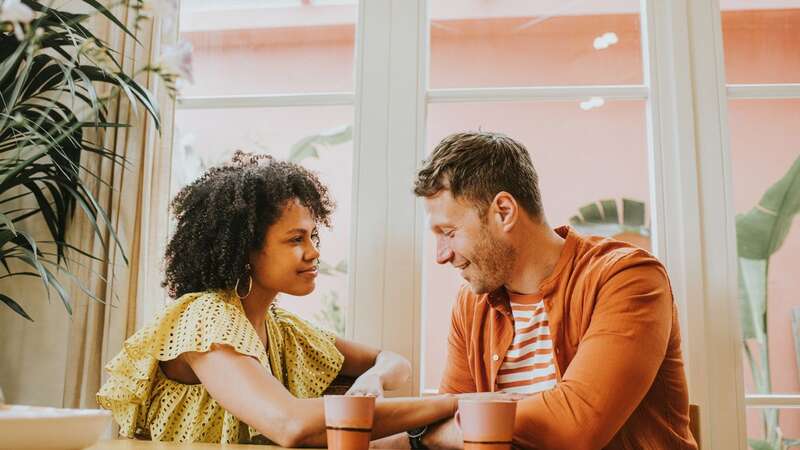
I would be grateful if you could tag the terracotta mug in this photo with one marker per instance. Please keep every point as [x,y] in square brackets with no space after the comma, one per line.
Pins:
[486,424]
[348,420]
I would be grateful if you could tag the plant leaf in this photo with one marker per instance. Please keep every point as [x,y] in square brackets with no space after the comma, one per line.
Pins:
[307,147]
[762,230]
[602,218]
[14,306]
[753,298]
[758,444]
[8,223]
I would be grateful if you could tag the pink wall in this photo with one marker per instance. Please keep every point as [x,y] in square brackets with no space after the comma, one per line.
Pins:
[582,156]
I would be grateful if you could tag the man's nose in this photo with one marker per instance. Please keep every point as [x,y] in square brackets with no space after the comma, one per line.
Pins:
[443,252]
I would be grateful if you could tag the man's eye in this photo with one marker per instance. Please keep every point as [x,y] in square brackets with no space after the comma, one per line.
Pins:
[298,239]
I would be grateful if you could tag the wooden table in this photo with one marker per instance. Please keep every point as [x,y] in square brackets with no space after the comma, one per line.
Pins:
[130,444]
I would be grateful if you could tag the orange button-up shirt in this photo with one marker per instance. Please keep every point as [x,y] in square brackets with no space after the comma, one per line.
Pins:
[617,345]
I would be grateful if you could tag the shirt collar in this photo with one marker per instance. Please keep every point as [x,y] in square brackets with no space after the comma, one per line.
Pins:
[498,298]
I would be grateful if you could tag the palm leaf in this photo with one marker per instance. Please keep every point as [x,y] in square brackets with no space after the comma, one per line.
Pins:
[48,99]
[759,233]
[307,147]
[14,306]
[602,218]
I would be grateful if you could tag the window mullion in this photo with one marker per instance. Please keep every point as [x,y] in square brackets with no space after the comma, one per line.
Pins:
[534,93]
[773,400]
[762,91]
[266,101]
[384,304]
[691,194]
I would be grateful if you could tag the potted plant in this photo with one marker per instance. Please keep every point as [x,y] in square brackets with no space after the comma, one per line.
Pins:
[57,83]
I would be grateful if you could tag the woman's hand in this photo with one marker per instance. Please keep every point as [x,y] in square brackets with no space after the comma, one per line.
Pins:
[376,370]
[369,383]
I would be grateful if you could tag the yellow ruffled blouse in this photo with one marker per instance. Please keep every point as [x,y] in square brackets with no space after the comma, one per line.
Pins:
[147,404]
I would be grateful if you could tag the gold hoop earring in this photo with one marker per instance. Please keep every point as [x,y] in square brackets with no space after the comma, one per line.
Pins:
[249,283]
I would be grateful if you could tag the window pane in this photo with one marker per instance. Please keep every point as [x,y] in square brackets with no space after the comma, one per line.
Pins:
[761,40]
[209,137]
[475,43]
[765,152]
[788,419]
[581,156]
[257,47]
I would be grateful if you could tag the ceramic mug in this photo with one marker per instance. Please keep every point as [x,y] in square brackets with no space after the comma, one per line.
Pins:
[348,421]
[486,424]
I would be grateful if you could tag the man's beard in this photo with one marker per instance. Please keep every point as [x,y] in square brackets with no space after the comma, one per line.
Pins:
[493,261]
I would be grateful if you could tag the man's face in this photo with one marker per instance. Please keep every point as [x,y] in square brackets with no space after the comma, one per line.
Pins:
[471,244]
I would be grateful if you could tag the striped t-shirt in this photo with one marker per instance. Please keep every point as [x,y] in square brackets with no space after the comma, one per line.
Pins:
[528,366]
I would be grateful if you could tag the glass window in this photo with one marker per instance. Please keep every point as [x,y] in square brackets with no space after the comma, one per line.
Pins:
[761,47]
[757,435]
[319,138]
[277,46]
[591,158]
[761,41]
[765,160]
[475,43]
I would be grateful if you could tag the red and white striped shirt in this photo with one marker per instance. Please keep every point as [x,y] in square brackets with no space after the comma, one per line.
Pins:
[528,366]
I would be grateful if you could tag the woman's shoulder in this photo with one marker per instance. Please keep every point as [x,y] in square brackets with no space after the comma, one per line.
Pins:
[194,322]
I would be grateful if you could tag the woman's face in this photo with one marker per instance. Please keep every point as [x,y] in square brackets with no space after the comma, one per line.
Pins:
[287,262]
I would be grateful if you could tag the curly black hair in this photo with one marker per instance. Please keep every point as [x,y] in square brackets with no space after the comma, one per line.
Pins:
[224,215]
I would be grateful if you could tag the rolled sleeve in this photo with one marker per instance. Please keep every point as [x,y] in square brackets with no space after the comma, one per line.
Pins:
[457,378]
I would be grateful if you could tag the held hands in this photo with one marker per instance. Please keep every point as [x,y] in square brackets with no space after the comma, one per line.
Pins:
[369,383]
[389,371]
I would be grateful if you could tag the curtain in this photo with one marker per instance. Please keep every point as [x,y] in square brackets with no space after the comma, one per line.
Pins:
[136,198]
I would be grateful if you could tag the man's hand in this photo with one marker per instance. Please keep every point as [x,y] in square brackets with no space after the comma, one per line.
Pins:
[444,436]
[441,436]
[369,383]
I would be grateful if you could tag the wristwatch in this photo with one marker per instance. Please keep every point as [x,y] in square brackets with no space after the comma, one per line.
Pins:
[415,437]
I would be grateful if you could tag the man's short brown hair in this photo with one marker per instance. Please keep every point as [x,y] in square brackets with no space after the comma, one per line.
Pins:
[479,165]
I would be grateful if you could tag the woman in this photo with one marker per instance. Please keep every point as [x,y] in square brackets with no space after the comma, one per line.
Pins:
[222,363]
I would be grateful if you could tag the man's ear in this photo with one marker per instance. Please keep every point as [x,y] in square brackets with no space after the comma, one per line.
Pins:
[504,210]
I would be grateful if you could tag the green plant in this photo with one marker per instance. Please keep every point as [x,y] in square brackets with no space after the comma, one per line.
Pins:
[760,232]
[331,315]
[309,146]
[602,218]
[57,82]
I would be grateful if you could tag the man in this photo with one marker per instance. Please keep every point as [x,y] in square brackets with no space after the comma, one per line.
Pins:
[585,327]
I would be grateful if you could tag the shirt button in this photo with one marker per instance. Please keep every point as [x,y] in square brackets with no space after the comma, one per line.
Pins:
[495,357]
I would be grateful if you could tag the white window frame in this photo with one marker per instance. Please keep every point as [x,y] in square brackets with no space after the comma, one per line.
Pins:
[690,184]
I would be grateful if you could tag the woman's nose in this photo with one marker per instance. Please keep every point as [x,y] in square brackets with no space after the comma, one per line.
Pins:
[313,252]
